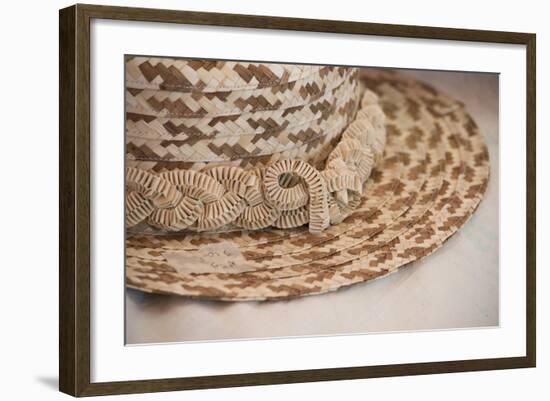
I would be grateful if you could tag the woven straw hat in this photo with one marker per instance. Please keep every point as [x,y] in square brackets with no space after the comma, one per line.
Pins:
[255,181]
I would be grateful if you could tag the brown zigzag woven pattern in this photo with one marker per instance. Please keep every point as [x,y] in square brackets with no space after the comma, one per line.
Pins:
[183,75]
[173,104]
[187,114]
[327,116]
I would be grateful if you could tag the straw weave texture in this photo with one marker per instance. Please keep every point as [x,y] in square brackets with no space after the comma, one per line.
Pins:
[186,114]
[431,177]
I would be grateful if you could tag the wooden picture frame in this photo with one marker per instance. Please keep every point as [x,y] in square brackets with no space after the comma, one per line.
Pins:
[74,203]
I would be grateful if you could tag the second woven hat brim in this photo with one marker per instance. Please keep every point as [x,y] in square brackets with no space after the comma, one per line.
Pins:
[432,177]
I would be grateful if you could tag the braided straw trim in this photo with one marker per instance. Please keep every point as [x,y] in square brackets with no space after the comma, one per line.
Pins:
[292,218]
[200,186]
[179,217]
[137,208]
[262,215]
[285,194]
[288,199]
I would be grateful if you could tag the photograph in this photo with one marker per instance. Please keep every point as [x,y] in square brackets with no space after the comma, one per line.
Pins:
[271,200]
[265,199]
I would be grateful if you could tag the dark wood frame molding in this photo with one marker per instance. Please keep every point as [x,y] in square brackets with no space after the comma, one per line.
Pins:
[74,199]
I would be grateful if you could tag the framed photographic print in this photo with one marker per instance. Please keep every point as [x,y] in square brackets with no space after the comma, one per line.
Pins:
[251,200]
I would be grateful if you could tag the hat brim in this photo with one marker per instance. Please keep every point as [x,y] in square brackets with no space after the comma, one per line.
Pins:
[431,179]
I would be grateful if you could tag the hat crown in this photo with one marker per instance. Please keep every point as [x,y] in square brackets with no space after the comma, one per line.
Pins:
[189,114]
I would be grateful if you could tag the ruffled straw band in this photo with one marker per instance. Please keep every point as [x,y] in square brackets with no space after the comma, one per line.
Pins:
[288,193]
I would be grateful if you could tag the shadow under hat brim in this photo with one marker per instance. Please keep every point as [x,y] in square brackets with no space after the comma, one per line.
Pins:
[431,179]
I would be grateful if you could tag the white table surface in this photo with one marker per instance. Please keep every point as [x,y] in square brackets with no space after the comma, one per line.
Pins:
[456,287]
